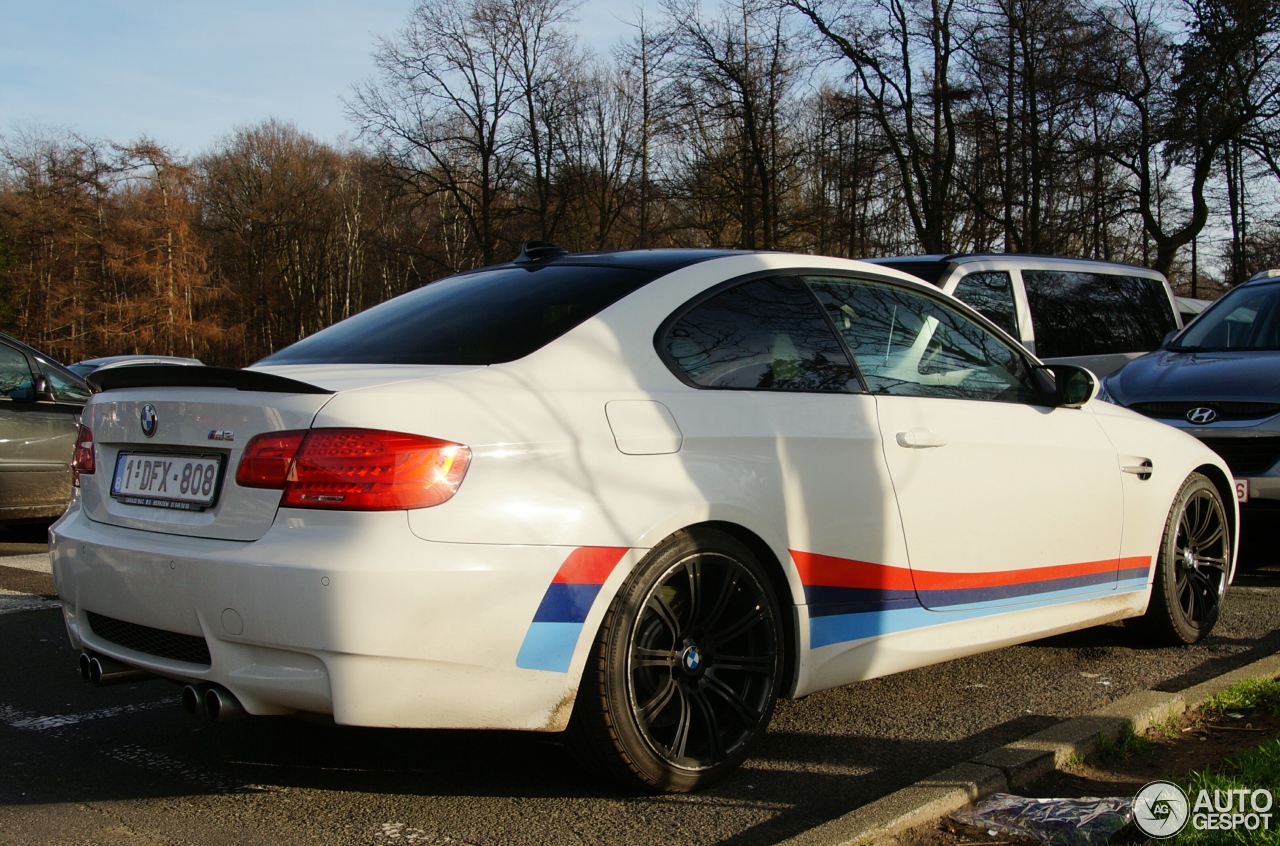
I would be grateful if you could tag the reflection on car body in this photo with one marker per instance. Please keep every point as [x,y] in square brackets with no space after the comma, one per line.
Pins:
[638,496]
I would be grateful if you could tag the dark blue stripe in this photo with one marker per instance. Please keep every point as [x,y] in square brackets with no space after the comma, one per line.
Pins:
[1137,573]
[969,596]
[824,600]
[565,603]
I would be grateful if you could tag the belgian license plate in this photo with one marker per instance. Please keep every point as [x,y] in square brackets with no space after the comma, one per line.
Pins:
[1242,490]
[160,480]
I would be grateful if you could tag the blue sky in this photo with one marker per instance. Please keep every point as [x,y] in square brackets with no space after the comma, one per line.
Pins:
[187,73]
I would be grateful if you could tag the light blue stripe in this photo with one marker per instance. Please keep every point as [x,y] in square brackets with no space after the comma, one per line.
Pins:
[841,628]
[549,646]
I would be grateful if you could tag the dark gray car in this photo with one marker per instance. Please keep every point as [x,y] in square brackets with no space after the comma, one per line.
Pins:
[40,403]
[1219,380]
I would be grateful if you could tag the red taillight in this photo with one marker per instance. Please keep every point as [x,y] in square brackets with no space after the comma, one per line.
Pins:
[82,462]
[354,469]
[267,458]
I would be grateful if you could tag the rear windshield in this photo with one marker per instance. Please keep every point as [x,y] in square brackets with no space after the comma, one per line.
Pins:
[1078,313]
[486,317]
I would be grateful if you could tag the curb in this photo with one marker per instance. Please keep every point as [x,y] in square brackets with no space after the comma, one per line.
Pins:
[1014,766]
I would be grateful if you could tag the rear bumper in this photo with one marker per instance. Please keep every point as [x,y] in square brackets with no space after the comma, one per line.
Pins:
[336,613]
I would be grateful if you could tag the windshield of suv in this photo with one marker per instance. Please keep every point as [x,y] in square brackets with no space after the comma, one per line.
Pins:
[1245,319]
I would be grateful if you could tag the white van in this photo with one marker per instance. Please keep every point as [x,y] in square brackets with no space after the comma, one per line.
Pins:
[1096,314]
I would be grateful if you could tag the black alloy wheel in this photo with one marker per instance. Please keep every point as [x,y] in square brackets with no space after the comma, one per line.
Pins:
[686,668]
[1195,561]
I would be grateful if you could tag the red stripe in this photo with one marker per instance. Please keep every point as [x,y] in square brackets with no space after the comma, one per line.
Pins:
[830,571]
[589,565]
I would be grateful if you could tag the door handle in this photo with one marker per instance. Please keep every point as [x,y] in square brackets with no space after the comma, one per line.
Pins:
[1142,470]
[920,439]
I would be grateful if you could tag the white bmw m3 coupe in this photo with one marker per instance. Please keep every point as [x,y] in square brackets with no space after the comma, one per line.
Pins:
[636,496]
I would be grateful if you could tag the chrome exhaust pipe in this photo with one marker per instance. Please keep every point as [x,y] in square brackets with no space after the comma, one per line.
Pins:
[221,704]
[104,671]
[84,666]
[193,699]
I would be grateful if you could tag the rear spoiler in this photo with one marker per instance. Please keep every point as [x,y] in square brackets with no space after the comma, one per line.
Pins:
[190,376]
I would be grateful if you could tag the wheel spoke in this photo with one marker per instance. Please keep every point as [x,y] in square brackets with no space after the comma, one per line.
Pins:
[642,657]
[740,626]
[1186,594]
[660,607]
[680,741]
[1206,593]
[712,724]
[745,712]
[659,701]
[693,569]
[763,664]
[722,601]
[1217,534]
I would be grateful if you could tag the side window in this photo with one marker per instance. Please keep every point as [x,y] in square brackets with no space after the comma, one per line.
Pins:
[909,344]
[16,381]
[767,334]
[990,293]
[65,389]
[1096,313]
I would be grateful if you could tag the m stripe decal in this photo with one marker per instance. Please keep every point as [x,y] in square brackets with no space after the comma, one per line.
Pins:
[557,624]
[852,600]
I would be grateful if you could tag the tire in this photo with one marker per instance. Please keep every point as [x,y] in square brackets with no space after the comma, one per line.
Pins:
[1191,574]
[683,676]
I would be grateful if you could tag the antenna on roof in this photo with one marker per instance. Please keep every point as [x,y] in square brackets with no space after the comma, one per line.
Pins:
[531,251]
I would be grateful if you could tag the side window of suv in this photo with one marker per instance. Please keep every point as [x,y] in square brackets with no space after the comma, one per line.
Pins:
[990,293]
[16,381]
[1096,313]
[767,334]
[908,344]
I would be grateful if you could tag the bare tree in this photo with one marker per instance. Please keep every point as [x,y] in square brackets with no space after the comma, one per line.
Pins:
[900,55]
[442,106]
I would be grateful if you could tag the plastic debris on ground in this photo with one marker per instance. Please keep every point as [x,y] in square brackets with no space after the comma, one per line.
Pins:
[1053,822]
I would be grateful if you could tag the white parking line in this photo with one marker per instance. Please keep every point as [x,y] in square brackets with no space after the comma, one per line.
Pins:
[24,721]
[12,600]
[38,562]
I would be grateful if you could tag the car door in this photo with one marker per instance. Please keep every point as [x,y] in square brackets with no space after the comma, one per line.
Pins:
[1004,499]
[31,476]
[780,427]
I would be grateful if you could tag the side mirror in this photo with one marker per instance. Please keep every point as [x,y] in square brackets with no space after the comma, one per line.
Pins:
[1073,386]
[1164,344]
[31,391]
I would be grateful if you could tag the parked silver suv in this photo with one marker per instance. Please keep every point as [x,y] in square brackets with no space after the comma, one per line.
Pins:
[1095,314]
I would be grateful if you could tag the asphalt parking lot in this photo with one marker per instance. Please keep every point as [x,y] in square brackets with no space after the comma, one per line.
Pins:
[124,764]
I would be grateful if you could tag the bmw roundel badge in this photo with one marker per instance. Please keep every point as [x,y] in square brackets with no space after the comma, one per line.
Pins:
[150,421]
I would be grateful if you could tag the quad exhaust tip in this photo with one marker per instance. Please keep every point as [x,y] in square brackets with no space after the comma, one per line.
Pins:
[221,704]
[104,671]
[193,700]
[212,701]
